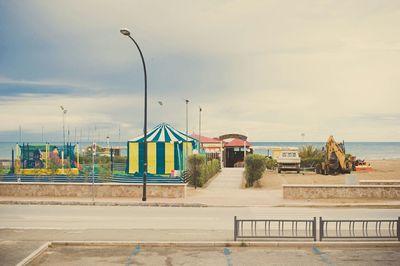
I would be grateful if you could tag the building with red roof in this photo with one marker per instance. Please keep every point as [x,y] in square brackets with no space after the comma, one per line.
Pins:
[231,149]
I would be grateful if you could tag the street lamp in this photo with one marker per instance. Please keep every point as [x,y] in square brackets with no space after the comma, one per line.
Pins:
[187,132]
[200,128]
[126,32]
[64,112]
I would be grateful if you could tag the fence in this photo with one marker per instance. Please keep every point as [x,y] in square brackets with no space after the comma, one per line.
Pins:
[359,229]
[274,229]
[307,229]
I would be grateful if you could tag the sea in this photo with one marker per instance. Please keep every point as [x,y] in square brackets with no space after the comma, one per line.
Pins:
[362,150]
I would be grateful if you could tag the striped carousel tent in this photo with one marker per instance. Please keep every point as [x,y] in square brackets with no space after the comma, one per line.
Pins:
[166,149]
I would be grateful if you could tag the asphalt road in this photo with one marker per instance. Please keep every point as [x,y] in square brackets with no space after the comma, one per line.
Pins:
[23,228]
[159,218]
[102,256]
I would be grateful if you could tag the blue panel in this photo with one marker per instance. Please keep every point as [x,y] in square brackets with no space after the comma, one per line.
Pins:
[157,137]
[141,157]
[160,161]
[176,156]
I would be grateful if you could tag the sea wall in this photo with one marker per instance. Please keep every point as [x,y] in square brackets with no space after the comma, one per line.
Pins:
[380,182]
[341,192]
[104,190]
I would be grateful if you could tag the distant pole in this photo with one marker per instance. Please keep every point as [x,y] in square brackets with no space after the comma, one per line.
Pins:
[244,150]
[20,134]
[200,128]
[93,154]
[42,134]
[119,134]
[12,162]
[68,136]
[187,132]
[64,112]
[302,137]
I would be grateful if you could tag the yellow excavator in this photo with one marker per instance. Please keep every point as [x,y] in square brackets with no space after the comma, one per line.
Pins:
[335,161]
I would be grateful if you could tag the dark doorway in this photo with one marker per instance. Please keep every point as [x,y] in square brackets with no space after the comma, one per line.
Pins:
[234,157]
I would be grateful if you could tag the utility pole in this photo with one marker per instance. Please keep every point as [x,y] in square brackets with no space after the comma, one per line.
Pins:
[200,128]
[64,112]
[187,132]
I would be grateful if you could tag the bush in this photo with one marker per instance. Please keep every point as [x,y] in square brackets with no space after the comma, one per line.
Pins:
[255,166]
[271,164]
[105,172]
[201,170]
[311,156]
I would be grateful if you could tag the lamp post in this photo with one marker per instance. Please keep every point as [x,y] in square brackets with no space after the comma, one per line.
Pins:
[64,112]
[126,32]
[200,128]
[187,132]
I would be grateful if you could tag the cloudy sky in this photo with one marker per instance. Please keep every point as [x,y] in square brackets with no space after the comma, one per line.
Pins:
[269,69]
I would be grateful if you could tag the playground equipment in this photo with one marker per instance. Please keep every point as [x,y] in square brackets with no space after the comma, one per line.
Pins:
[46,159]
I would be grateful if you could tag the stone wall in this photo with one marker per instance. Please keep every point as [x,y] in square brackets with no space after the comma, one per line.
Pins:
[106,190]
[341,192]
[380,182]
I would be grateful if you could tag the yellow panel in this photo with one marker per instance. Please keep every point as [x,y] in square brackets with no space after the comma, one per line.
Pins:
[169,157]
[133,157]
[151,158]
[44,171]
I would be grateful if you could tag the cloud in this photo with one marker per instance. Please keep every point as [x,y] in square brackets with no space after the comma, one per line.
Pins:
[271,68]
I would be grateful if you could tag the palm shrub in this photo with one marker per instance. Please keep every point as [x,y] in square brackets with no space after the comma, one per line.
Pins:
[311,156]
[254,167]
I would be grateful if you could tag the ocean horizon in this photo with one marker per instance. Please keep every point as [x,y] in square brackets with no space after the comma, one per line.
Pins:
[362,150]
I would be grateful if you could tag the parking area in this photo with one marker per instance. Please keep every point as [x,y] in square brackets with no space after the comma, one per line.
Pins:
[138,255]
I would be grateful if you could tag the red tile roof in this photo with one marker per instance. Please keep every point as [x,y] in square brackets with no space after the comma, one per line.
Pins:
[237,143]
[205,139]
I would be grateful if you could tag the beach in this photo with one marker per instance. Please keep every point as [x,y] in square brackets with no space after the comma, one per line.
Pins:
[382,170]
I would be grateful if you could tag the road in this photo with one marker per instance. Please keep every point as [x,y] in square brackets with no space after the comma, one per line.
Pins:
[23,228]
[156,218]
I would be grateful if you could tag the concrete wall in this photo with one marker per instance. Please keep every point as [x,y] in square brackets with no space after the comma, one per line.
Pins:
[380,182]
[341,192]
[85,190]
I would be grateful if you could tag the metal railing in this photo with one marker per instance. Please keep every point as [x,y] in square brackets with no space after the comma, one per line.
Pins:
[274,229]
[307,229]
[359,229]
[185,176]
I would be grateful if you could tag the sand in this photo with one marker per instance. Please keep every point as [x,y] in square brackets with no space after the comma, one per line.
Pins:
[382,170]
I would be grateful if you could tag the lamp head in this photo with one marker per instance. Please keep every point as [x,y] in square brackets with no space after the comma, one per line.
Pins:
[125,32]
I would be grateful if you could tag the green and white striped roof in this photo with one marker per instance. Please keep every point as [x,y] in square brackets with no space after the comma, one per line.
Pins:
[164,133]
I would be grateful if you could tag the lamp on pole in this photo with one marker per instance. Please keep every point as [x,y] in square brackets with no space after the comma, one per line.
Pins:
[187,132]
[64,112]
[126,32]
[200,128]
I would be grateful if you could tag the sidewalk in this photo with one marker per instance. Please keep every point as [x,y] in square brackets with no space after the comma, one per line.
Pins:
[223,191]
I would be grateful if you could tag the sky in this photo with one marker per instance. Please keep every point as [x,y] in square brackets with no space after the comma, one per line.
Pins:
[271,70]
